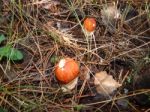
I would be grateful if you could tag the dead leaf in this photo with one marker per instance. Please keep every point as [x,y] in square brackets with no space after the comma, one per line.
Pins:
[110,15]
[105,84]
[85,75]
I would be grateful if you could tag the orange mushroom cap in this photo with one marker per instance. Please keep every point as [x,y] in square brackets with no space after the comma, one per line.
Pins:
[66,70]
[89,24]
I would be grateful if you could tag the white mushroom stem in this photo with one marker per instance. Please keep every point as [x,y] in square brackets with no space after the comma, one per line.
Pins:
[71,85]
[93,37]
[90,36]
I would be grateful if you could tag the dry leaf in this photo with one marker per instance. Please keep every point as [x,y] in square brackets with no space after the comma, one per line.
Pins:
[85,75]
[110,15]
[64,38]
[51,5]
[110,12]
[105,84]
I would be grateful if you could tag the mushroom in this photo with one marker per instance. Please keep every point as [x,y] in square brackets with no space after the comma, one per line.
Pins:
[89,27]
[66,72]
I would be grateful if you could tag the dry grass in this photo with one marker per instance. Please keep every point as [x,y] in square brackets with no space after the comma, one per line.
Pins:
[48,30]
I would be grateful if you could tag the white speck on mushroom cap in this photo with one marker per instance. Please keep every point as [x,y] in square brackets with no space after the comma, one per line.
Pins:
[62,63]
[94,25]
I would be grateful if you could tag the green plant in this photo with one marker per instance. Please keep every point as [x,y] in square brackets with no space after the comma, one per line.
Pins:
[79,107]
[3,110]
[147,59]
[9,52]
[2,38]
[54,59]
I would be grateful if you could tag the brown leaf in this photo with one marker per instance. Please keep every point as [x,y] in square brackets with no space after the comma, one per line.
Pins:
[105,84]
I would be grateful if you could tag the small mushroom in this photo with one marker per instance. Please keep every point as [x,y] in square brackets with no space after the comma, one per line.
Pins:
[105,84]
[66,72]
[89,27]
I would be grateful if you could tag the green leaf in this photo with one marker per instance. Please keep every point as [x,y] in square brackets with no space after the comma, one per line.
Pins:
[2,38]
[10,53]
[54,59]
[3,110]
[129,79]
[79,107]
[65,110]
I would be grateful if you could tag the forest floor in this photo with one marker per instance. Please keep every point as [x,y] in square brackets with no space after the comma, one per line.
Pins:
[41,32]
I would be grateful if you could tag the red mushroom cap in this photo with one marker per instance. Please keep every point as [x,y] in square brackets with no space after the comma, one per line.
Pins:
[66,70]
[89,24]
